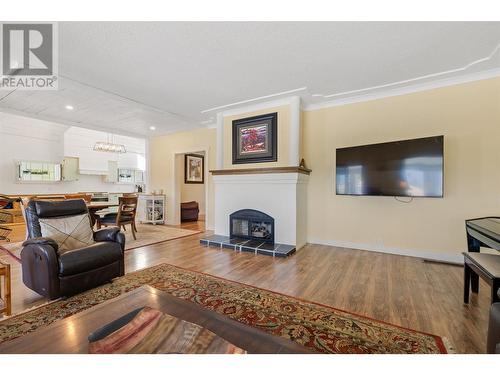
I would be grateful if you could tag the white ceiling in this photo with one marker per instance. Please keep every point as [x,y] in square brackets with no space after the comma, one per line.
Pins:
[127,76]
[93,108]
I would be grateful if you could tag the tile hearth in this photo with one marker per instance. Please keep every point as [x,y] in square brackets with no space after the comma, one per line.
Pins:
[250,246]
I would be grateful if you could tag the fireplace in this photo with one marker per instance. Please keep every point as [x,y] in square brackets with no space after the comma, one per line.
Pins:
[250,231]
[251,225]
[280,192]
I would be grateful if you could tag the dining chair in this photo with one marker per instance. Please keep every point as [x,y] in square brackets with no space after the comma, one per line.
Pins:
[127,208]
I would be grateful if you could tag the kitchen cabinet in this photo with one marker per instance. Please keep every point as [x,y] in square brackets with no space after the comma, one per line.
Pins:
[139,176]
[38,171]
[123,175]
[70,166]
[112,175]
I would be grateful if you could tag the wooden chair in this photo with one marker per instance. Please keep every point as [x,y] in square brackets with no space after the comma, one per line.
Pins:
[126,215]
[5,296]
[10,210]
[86,197]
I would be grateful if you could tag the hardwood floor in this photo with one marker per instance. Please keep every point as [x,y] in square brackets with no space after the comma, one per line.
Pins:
[400,290]
[18,232]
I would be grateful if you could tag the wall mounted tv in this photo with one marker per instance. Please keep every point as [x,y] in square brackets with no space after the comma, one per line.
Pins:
[408,168]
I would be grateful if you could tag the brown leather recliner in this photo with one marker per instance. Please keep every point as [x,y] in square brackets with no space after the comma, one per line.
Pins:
[53,275]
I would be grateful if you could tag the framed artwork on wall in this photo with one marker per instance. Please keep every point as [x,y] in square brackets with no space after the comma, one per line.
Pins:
[194,169]
[255,139]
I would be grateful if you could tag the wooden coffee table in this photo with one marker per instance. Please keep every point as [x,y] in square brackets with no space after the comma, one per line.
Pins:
[70,335]
[5,298]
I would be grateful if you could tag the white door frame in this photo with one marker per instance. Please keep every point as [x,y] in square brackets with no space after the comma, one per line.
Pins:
[177,182]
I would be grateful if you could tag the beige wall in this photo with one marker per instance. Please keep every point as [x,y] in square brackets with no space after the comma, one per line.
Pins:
[164,167]
[468,115]
[283,138]
[193,192]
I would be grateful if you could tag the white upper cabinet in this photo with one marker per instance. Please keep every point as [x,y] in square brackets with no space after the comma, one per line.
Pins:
[112,175]
[38,171]
[79,142]
[69,169]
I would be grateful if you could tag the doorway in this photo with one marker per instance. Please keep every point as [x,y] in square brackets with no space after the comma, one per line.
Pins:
[191,189]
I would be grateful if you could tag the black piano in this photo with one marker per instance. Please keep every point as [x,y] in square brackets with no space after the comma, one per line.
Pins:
[482,232]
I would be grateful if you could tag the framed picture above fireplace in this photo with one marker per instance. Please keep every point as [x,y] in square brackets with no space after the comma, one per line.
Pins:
[255,139]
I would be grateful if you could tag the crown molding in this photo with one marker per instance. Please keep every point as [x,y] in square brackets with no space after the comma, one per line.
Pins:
[414,79]
[408,89]
[244,102]
[259,106]
[379,94]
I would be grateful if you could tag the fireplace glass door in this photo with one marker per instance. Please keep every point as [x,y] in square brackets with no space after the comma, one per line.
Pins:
[240,227]
[252,225]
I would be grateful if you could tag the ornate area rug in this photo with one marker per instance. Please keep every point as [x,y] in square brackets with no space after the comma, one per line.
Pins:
[147,234]
[321,328]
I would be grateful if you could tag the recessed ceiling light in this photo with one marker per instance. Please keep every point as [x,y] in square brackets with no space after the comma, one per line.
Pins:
[69,107]
[152,128]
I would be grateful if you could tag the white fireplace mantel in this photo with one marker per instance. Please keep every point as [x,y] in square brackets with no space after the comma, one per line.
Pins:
[280,193]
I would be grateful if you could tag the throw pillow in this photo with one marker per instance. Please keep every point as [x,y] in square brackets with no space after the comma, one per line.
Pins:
[70,232]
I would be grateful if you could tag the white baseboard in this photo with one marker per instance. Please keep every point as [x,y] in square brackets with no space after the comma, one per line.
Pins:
[428,255]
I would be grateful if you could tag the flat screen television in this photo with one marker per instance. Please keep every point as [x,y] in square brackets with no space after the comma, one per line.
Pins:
[408,168]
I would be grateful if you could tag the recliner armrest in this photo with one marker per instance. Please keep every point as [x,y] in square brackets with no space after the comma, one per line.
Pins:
[106,234]
[41,241]
[112,234]
[39,260]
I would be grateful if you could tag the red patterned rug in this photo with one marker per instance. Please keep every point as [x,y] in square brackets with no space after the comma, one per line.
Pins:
[321,328]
